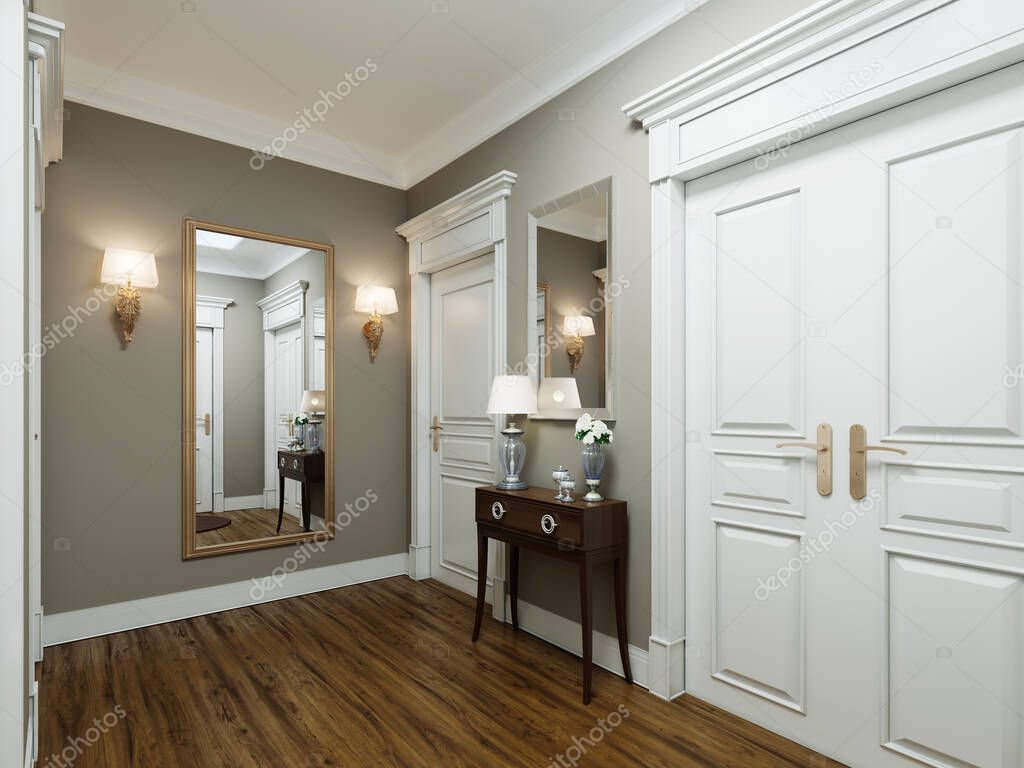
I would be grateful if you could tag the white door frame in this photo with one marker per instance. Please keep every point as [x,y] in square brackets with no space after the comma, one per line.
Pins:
[210,314]
[285,306]
[828,64]
[468,225]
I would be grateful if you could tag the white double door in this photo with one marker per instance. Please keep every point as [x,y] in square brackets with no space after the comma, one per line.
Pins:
[288,364]
[205,456]
[872,276]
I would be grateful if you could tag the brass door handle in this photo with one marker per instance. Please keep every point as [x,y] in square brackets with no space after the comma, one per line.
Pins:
[206,423]
[824,450]
[859,459]
[435,431]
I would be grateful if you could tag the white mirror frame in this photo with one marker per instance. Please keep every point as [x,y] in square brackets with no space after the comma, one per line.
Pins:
[611,335]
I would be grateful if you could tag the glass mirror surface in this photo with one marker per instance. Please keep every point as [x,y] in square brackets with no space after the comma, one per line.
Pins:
[571,309]
[259,381]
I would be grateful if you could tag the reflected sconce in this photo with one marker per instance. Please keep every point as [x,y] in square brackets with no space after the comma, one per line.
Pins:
[130,271]
[558,393]
[577,326]
[378,301]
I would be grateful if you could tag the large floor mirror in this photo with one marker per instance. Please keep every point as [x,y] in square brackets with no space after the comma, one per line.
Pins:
[257,389]
[570,320]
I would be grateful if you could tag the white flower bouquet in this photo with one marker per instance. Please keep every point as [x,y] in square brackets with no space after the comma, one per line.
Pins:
[590,431]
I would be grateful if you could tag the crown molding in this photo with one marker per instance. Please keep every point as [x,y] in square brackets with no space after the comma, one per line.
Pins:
[143,100]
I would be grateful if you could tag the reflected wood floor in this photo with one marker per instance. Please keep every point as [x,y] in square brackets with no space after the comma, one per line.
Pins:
[379,674]
[249,524]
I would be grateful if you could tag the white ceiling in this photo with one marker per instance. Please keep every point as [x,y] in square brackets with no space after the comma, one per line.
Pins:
[586,218]
[447,74]
[242,256]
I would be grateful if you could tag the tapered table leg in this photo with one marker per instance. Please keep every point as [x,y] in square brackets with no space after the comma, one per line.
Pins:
[513,580]
[620,615]
[481,583]
[587,623]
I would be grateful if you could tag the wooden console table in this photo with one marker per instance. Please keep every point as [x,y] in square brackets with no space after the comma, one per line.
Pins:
[582,533]
[306,467]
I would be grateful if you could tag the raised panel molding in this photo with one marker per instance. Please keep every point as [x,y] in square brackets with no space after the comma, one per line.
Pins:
[758,481]
[953,677]
[773,667]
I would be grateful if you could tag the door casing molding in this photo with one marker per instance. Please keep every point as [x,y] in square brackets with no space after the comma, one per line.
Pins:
[470,224]
[811,53]
[210,314]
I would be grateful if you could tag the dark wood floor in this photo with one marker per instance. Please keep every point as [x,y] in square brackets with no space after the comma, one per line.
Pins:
[380,674]
[249,524]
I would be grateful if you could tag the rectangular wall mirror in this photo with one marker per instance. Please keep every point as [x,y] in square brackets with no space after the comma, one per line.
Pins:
[257,389]
[570,311]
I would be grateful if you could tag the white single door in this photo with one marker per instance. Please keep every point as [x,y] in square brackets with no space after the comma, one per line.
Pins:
[287,398]
[463,452]
[204,420]
[873,276]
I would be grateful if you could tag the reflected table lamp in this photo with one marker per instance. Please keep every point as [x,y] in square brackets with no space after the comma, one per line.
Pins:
[558,393]
[511,395]
[314,404]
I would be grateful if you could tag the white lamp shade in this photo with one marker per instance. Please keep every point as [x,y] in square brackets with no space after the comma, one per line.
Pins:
[512,394]
[121,267]
[314,401]
[376,298]
[558,393]
[579,325]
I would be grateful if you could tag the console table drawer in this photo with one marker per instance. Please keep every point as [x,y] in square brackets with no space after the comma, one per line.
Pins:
[554,523]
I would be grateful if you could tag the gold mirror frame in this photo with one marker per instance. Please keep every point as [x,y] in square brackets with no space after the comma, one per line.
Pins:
[188,386]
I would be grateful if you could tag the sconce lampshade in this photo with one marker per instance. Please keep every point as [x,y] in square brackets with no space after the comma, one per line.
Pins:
[558,393]
[579,325]
[121,267]
[376,298]
[314,401]
[512,394]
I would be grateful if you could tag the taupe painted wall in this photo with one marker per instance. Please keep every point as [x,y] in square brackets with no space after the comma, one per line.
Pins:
[567,264]
[111,416]
[243,380]
[577,139]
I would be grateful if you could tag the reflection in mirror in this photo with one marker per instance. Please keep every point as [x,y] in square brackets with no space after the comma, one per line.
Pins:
[571,255]
[260,377]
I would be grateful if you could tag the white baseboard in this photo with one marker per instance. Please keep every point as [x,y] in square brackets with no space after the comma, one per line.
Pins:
[118,617]
[567,635]
[234,503]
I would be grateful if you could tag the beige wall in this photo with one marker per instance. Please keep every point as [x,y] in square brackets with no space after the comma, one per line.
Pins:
[111,416]
[577,139]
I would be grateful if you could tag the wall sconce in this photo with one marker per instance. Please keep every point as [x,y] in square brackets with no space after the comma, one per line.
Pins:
[378,301]
[131,271]
[577,326]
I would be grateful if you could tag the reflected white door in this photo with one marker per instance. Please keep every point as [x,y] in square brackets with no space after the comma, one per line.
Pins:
[462,367]
[204,420]
[874,277]
[287,398]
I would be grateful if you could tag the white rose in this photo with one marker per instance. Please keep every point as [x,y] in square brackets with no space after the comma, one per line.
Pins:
[588,439]
[600,428]
[583,423]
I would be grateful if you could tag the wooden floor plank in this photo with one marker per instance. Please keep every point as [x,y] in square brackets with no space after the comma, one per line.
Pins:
[379,674]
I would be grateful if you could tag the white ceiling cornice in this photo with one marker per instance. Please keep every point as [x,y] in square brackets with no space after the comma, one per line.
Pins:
[595,45]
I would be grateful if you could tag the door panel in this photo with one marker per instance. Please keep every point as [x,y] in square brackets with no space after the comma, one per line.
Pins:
[873,276]
[288,368]
[462,367]
[204,420]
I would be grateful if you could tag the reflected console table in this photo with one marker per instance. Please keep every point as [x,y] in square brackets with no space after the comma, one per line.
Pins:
[306,467]
[580,532]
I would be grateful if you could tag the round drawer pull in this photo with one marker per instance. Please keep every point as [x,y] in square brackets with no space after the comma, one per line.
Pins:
[497,510]
[548,524]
